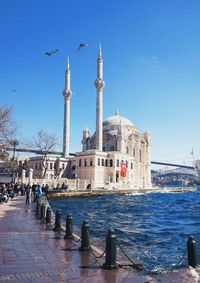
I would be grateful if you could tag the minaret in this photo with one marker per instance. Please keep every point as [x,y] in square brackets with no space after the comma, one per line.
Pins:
[99,83]
[67,94]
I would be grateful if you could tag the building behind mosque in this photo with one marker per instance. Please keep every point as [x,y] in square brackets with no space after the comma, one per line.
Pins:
[116,156]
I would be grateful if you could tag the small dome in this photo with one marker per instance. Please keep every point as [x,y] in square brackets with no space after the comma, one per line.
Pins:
[117,120]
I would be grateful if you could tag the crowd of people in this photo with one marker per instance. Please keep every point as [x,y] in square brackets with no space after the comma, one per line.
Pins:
[32,193]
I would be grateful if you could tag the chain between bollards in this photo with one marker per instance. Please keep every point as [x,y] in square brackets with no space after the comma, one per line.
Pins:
[98,256]
[137,266]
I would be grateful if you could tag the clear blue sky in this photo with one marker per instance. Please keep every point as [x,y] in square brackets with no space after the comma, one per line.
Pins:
[151,52]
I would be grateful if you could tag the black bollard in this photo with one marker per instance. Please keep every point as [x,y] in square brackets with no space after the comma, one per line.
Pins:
[85,241]
[42,212]
[48,215]
[57,227]
[69,227]
[111,251]
[37,211]
[192,251]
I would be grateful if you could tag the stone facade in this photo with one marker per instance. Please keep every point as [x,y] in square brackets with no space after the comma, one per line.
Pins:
[122,143]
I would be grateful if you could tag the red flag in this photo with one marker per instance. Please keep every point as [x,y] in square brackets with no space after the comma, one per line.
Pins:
[123,169]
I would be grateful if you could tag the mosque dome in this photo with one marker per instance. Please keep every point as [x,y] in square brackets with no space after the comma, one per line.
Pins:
[117,120]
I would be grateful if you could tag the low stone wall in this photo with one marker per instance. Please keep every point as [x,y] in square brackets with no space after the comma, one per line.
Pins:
[89,193]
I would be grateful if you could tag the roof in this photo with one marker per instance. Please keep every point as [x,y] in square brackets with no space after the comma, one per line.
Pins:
[117,120]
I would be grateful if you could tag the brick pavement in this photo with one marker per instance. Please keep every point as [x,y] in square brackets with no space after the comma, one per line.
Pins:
[29,252]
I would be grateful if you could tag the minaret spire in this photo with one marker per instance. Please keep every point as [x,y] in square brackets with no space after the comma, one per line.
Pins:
[99,83]
[67,94]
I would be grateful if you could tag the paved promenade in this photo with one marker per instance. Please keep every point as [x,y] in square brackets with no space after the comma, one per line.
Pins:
[31,253]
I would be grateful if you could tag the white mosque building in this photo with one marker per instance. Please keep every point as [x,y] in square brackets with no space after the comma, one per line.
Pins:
[116,156]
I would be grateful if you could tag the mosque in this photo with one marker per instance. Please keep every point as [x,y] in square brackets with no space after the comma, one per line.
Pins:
[116,156]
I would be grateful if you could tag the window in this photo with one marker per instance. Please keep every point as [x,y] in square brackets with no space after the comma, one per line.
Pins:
[111,163]
[51,165]
[112,148]
[140,155]
[131,165]
[98,161]
[106,162]
[63,166]
[127,150]
[40,165]
[55,166]
[102,162]
[91,162]
[126,164]
[79,162]
[85,162]
[134,152]
[117,162]
[35,165]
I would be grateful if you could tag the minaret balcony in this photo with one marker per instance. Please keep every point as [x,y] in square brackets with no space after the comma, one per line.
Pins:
[67,93]
[99,83]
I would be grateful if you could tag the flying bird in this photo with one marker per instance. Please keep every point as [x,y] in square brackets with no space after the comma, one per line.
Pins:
[82,45]
[51,52]
[14,90]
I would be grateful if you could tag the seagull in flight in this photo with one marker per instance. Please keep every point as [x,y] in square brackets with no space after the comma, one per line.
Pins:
[82,45]
[14,90]
[51,52]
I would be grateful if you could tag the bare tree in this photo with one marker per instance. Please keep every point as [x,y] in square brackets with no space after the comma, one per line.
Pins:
[7,130]
[45,143]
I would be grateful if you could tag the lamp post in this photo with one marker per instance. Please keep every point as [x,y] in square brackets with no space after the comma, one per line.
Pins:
[14,143]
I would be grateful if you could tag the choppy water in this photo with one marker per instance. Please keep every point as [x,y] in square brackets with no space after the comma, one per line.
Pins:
[152,228]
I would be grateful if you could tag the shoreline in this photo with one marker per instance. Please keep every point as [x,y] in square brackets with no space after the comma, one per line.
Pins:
[75,193]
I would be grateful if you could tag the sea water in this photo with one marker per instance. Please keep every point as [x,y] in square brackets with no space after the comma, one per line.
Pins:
[151,228]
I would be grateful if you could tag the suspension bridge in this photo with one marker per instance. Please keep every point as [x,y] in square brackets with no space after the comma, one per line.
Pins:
[35,151]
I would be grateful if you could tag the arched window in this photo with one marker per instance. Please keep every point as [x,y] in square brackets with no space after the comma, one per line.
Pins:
[102,162]
[134,152]
[91,163]
[79,162]
[85,162]
[112,148]
[106,162]
[111,163]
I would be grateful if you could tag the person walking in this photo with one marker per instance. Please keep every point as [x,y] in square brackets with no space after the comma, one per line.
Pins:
[27,195]
[38,193]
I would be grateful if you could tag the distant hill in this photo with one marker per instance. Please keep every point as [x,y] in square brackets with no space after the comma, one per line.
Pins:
[178,176]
